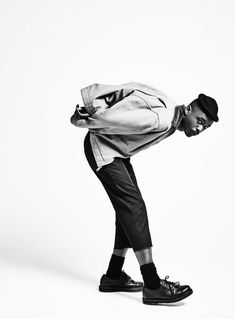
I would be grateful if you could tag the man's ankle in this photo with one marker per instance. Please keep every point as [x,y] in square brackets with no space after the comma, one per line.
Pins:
[150,276]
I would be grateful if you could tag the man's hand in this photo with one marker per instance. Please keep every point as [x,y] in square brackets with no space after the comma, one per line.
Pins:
[81,113]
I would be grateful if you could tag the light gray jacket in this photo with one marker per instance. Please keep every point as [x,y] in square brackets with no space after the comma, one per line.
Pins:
[126,119]
[129,108]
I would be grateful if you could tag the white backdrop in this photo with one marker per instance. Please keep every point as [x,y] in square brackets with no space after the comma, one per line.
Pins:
[56,221]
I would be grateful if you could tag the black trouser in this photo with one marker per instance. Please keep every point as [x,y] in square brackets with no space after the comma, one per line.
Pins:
[119,181]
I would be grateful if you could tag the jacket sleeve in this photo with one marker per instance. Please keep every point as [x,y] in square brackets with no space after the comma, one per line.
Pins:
[130,115]
[100,96]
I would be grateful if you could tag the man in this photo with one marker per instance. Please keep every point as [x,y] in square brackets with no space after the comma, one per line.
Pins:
[123,120]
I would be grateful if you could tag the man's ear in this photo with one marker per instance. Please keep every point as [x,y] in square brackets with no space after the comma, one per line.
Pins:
[188,109]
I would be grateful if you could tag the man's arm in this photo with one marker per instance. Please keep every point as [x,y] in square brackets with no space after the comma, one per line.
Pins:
[131,115]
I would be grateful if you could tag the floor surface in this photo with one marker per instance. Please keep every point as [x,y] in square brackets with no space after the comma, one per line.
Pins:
[30,292]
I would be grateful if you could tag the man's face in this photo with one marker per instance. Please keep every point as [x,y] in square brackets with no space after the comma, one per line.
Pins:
[196,121]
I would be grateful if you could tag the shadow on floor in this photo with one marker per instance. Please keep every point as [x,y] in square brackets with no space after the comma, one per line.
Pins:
[51,267]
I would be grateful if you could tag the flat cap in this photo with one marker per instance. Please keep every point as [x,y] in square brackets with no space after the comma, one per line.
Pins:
[209,106]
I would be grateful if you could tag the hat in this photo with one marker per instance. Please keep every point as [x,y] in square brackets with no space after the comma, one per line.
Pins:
[208,105]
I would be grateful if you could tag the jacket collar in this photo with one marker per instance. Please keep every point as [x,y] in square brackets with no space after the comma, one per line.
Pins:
[179,113]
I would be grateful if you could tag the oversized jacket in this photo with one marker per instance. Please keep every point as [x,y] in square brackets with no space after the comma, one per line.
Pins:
[99,100]
[126,118]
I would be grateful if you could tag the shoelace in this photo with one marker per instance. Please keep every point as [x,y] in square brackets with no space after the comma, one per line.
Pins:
[169,284]
[124,274]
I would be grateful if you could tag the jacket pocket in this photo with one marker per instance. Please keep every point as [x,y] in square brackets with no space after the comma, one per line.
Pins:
[151,101]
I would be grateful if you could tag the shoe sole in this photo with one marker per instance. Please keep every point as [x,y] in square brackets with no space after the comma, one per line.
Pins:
[112,289]
[155,301]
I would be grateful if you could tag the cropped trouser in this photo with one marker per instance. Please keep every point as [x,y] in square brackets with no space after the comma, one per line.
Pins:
[119,181]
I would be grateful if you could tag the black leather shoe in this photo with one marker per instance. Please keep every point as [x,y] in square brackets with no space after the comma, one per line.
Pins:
[177,284]
[123,283]
[168,292]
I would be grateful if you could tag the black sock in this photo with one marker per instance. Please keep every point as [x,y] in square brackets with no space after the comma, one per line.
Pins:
[115,266]
[150,276]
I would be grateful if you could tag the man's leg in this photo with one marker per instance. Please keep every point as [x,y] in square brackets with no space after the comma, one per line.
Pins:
[144,256]
[117,173]
[120,252]
[121,245]
[129,206]
[132,215]
[155,290]
[132,228]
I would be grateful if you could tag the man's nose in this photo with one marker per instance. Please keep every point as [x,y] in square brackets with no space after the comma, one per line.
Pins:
[200,128]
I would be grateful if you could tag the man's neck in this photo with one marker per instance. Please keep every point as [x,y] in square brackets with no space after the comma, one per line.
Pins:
[179,117]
